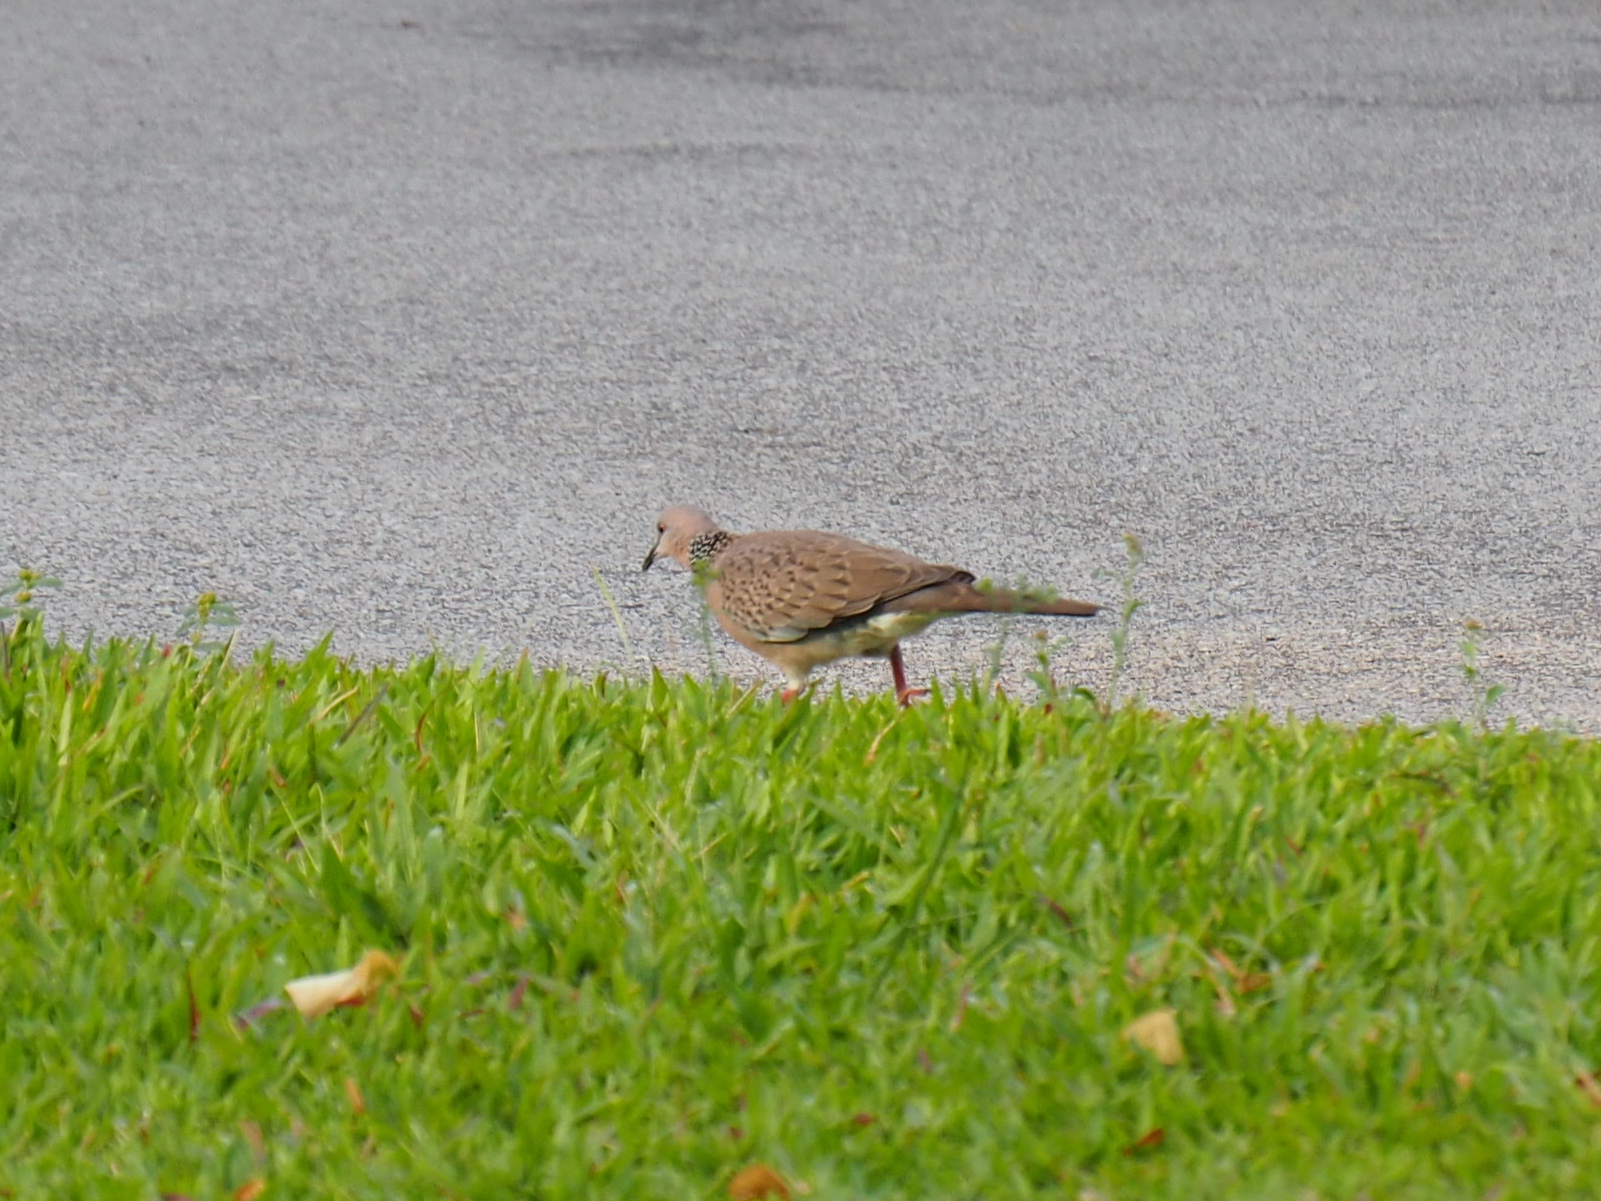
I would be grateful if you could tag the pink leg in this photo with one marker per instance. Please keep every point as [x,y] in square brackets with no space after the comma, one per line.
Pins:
[897,668]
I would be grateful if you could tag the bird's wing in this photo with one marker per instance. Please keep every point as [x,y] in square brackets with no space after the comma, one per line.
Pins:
[782,585]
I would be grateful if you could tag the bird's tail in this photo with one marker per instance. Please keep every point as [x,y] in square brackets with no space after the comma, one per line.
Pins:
[959,596]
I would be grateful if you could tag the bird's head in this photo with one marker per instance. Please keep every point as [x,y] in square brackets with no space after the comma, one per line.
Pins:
[686,534]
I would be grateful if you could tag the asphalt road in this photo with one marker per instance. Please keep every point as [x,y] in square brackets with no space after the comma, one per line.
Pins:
[401,320]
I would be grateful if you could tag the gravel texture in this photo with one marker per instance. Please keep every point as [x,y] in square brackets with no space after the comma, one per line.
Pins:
[402,320]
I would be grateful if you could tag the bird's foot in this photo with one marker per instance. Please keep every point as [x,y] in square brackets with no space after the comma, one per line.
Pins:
[789,694]
[903,694]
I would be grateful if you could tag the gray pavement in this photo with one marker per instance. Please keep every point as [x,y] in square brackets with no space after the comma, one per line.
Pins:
[402,319]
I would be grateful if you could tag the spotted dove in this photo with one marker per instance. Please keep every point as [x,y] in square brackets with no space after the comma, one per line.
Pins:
[802,598]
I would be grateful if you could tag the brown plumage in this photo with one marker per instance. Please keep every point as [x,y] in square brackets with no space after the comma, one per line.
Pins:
[802,598]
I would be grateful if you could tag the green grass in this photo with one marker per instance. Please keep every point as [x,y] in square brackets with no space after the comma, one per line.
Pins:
[655,931]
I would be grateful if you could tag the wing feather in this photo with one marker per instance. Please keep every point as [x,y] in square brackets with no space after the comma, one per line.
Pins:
[783,585]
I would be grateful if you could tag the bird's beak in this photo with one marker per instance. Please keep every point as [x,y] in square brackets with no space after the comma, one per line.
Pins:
[650,555]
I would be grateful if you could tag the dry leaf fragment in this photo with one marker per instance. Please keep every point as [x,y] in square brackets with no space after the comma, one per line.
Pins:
[1149,1140]
[515,1001]
[1055,907]
[1246,982]
[358,1103]
[757,1181]
[253,1136]
[316,995]
[247,1018]
[1589,1087]
[1158,1033]
[962,1000]
[1224,962]
[250,1189]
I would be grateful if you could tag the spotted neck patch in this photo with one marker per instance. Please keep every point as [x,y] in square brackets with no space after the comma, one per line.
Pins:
[703,548]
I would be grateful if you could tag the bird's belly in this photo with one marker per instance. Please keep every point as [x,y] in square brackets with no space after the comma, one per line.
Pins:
[876,635]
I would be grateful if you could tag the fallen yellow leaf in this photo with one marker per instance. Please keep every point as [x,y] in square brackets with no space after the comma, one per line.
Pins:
[755,1182]
[1158,1033]
[316,995]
